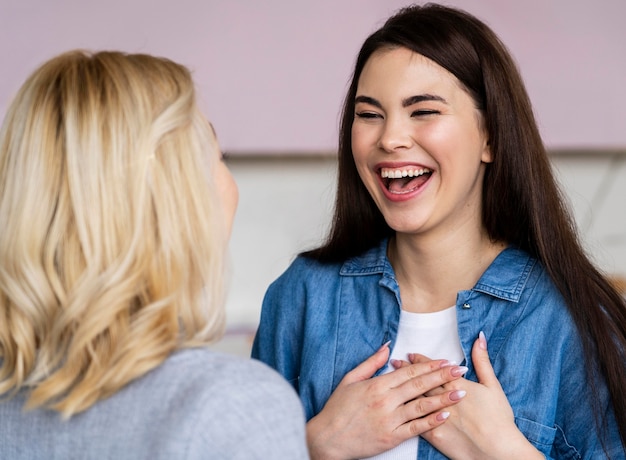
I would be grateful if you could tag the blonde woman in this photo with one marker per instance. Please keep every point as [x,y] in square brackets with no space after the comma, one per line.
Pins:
[115,209]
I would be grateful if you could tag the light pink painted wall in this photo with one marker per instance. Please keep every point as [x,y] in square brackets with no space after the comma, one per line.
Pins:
[272,73]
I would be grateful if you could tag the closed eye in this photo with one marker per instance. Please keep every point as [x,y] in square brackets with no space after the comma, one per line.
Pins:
[424,112]
[368,115]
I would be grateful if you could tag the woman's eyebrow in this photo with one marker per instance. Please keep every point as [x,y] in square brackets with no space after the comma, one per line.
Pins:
[405,102]
[368,100]
[421,98]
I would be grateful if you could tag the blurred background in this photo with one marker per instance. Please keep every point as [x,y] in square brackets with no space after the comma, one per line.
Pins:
[271,77]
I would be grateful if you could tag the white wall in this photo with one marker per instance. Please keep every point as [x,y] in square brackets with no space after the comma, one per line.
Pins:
[285,206]
[595,185]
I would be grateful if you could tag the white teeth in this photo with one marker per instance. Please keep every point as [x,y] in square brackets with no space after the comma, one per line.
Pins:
[399,173]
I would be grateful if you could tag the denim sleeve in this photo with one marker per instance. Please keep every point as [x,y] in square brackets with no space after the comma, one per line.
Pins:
[577,432]
[278,340]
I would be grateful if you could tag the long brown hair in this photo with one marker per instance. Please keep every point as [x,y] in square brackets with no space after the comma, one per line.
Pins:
[522,204]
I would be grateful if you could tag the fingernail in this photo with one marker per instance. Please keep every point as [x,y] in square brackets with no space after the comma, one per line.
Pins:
[457,395]
[458,371]
[482,340]
[384,345]
[447,363]
[442,416]
[396,363]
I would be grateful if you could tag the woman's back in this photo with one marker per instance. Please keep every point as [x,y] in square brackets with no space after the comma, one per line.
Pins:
[197,404]
[116,210]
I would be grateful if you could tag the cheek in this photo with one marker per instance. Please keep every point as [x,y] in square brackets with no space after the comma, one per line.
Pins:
[230,200]
[235,195]
[362,141]
[453,143]
[227,190]
[359,154]
[439,135]
[231,193]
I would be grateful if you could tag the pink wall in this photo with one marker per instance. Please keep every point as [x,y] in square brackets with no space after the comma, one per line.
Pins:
[272,73]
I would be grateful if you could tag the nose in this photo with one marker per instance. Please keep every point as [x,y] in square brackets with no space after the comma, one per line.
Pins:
[395,135]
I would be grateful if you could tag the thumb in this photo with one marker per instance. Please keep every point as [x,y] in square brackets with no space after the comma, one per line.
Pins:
[368,367]
[482,364]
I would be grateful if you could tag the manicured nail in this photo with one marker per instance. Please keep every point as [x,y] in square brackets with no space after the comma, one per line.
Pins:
[482,340]
[457,395]
[384,345]
[396,363]
[447,363]
[458,371]
[442,416]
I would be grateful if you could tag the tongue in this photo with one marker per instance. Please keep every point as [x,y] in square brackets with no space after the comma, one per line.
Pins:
[406,184]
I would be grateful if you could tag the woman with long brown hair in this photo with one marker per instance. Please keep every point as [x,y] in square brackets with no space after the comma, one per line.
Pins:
[449,233]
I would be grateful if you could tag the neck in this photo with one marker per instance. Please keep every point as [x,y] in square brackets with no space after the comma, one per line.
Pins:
[431,273]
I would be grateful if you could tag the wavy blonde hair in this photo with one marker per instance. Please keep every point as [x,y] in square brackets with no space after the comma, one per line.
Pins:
[112,241]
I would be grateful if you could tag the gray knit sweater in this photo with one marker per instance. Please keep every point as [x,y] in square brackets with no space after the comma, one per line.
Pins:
[198,404]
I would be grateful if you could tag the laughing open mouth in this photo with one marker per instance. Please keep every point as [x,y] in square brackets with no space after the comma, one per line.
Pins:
[404,180]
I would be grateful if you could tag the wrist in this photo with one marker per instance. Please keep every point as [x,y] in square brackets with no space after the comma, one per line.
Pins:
[521,448]
[319,442]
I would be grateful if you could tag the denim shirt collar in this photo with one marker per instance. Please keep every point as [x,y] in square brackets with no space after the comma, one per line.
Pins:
[505,278]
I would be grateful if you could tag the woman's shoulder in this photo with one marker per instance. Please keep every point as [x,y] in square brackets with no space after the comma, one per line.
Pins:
[223,372]
[305,264]
[203,379]
[212,383]
[196,403]
[203,402]
[249,406]
[306,267]
[304,273]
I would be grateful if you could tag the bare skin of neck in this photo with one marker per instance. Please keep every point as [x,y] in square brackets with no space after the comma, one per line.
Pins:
[430,272]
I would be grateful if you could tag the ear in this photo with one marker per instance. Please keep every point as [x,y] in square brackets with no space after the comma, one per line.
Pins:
[486,156]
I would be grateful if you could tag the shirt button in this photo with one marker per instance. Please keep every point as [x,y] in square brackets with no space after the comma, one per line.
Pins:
[466,306]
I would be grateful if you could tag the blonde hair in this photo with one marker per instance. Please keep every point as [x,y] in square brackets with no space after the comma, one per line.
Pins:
[112,242]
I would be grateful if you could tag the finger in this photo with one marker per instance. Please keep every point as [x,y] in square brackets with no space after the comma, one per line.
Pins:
[368,367]
[417,358]
[421,384]
[414,358]
[482,364]
[406,372]
[399,363]
[421,407]
[419,426]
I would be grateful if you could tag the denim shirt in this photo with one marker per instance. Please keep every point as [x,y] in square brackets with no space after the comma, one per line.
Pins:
[319,321]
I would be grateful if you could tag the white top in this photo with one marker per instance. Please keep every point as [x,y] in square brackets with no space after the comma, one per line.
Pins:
[431,334]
